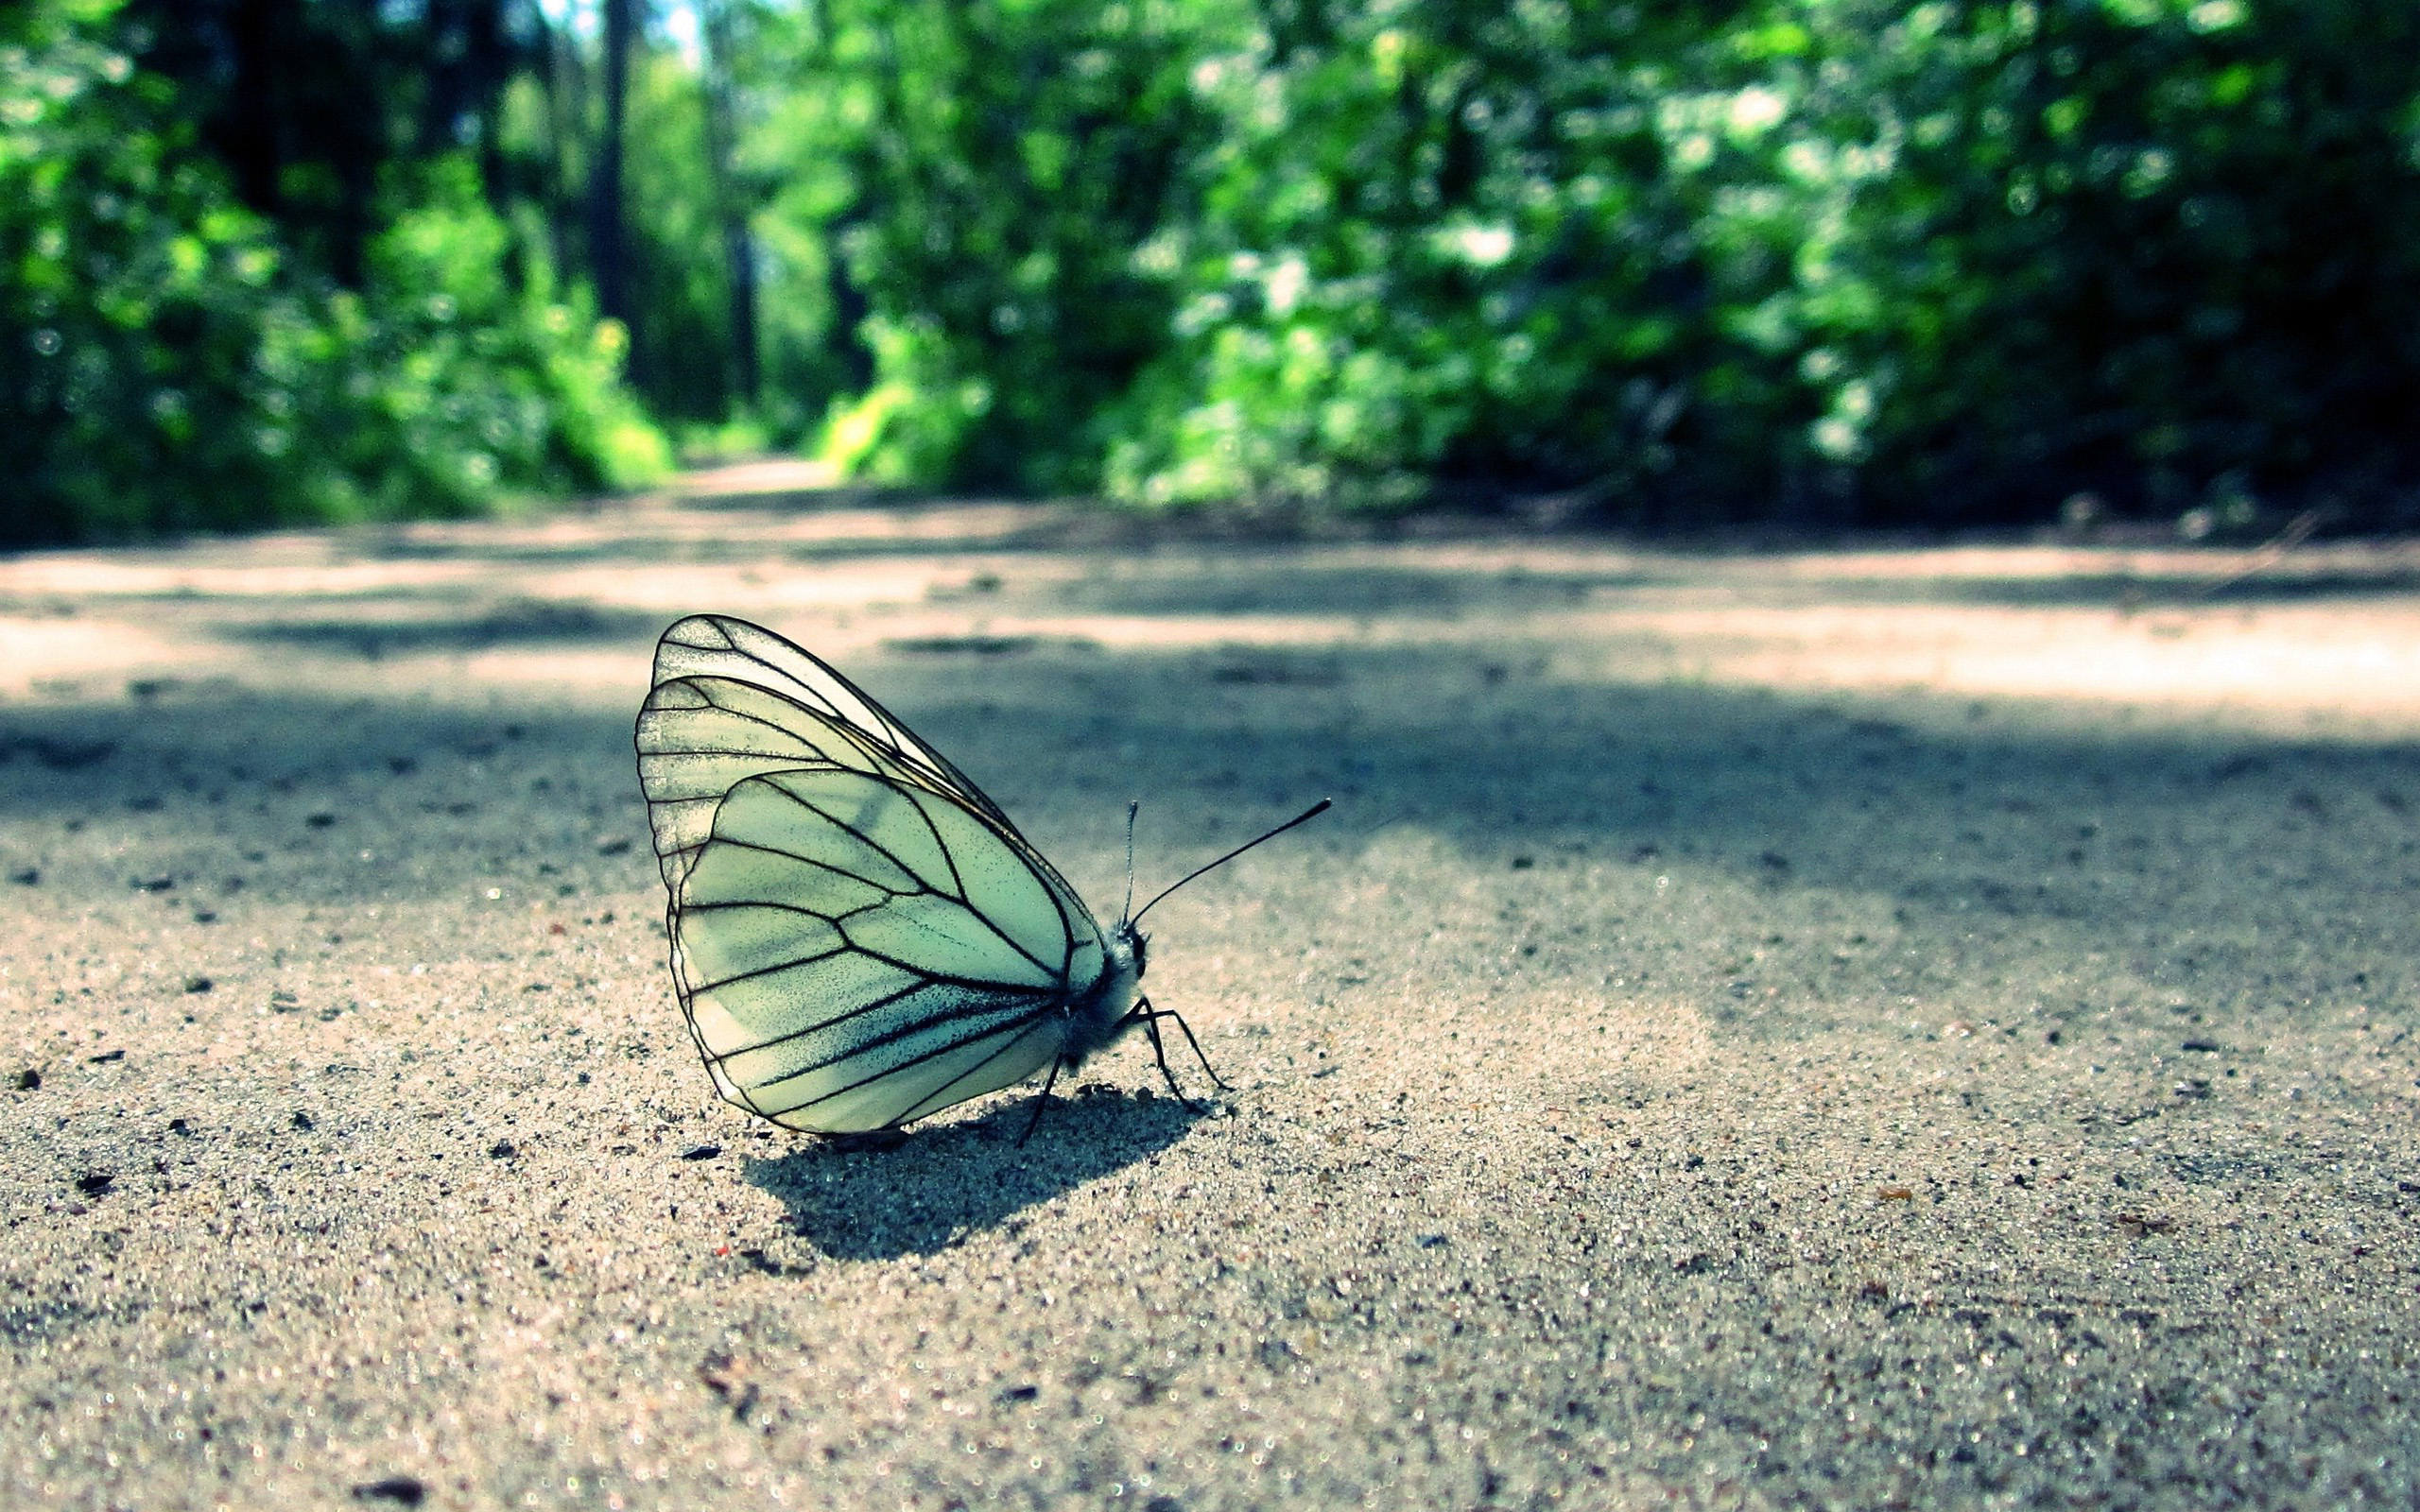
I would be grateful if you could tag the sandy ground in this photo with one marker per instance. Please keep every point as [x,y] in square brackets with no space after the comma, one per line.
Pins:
[1906,1028]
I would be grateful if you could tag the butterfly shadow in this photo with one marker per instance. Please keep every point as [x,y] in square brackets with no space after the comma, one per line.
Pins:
[918,1191]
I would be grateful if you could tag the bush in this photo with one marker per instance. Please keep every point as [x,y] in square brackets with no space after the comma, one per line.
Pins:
[1007,160]
[164,365]
[1847,259]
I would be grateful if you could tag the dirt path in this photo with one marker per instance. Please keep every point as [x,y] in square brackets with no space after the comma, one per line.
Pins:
[1925,1028]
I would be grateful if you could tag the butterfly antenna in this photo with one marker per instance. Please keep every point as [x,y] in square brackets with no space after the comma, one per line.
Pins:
[1134,806]
[1313,812]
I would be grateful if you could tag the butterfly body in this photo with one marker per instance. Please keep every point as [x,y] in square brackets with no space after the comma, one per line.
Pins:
[859,936]
[1101,1014]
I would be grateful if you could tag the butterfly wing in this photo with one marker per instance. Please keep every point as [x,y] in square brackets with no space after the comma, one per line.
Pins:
[859,937]
[716,675]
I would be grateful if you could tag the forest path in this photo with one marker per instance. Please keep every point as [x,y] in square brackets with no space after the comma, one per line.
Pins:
[1925,1026]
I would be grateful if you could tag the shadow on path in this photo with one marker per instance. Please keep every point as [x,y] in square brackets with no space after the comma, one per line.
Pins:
[1995,816]
[444,628]
[2185,853]
[926,1189]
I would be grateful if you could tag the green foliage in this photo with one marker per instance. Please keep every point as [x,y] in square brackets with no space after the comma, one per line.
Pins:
[166,362]
[683,297]
[1835,258]
[482,384]
[2169,248]
[1437,241]
[1823,259]
[1006,160]
[133,293]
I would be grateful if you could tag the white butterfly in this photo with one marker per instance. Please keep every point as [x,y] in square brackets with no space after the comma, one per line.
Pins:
[859,936]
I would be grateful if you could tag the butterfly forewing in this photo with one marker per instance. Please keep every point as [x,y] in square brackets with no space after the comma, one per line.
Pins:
[700,737]
[859,937]
[717,645]
[1031,909]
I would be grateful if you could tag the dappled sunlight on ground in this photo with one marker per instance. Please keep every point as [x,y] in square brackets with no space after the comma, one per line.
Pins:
[769,475]
[2269,668]
[568,602]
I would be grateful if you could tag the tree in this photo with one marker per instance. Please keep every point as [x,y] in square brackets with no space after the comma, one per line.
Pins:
[738,242]
[608,244]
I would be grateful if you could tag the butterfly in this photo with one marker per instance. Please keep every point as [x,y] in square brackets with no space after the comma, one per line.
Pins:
[859,936]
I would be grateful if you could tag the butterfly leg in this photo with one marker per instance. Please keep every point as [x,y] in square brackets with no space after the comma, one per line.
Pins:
[1160,1053]
[1041,1101]
[1207,1069]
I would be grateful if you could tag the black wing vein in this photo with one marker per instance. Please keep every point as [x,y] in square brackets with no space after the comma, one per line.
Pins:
[1015,1029]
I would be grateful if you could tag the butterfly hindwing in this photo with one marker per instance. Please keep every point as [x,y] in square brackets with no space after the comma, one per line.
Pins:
[834,967]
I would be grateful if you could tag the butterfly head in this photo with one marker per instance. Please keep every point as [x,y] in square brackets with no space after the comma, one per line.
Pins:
[1103,1011]
[1129,943]
[1112,1005]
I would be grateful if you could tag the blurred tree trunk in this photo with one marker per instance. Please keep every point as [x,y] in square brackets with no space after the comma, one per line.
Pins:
[293,96]
[564,82]
[255,149]
[608,246]
[470,60]
[722,136]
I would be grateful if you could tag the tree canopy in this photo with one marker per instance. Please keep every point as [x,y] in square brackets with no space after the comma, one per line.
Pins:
[1835,261]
